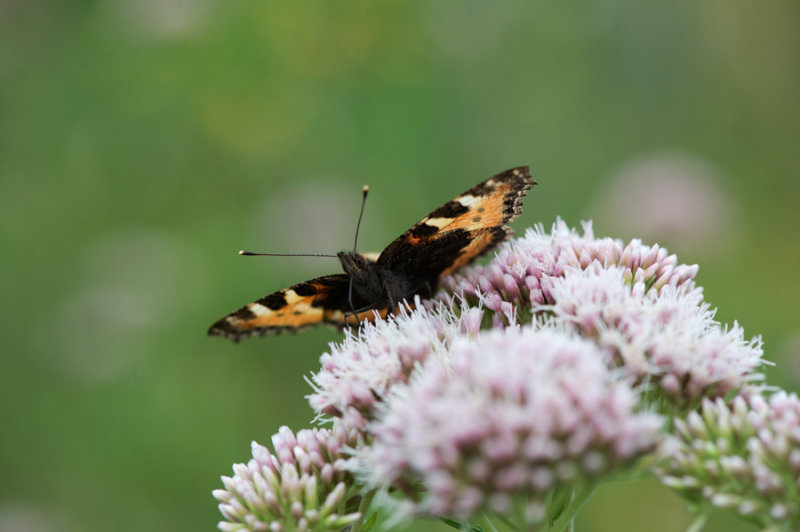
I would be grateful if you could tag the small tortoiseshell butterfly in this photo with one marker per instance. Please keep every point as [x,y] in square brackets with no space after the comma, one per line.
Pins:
[448,238]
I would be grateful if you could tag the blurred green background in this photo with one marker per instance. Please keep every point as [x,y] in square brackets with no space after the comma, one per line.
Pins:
[144,142]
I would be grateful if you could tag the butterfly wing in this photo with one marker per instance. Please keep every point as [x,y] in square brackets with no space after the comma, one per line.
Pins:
[462,229]
[321,300]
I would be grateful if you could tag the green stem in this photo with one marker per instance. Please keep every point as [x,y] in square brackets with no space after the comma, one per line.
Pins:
[486,519]
[566,521]
[363,507]
[698,523]
[458,525]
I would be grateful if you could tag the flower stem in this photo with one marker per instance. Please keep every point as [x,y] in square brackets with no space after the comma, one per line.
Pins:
[566,521]
[363,507]
[698,523]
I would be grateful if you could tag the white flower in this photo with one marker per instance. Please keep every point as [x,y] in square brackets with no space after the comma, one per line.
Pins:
[357,374]
[667,336]
[304,485]
[507,418]
[744,454]
[586,338]
[522,271]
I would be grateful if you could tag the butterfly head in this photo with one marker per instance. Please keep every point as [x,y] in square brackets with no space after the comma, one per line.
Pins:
[354,264]
[366,280]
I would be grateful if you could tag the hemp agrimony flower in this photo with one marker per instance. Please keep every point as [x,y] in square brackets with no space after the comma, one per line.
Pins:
[666,336]
[634,300]
[744,455]
[358,373]
[505,421]
[303,486]
[521,387]
[522,272]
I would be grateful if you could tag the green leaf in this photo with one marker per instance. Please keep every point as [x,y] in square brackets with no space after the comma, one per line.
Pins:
[459,525]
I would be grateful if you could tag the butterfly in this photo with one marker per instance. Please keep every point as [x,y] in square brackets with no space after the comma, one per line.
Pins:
[450,237]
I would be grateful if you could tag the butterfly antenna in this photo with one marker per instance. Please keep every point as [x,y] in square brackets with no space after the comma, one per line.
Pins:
[251,254]
[360,215]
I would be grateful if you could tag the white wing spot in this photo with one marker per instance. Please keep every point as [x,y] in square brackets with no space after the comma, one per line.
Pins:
[438,222]
[291,297]
[259,310]
[468,200]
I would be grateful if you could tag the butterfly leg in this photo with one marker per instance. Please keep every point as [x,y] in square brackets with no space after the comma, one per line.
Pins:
[355,313]
[389,297]
[428,287]
[350,302]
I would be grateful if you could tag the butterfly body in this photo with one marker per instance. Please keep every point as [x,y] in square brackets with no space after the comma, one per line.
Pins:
[375,286]
[448,238]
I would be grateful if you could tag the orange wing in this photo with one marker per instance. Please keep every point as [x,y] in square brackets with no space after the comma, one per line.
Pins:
[320,300]
[462,229]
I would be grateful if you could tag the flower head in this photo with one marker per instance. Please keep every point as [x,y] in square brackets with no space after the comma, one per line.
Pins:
[507,418]
[358,373]
[587,337]
[743,455]
[521,274]
[303,485]
[666,336]
[633,300]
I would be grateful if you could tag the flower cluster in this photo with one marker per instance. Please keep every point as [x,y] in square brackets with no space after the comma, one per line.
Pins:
[303,486]
[358,373]
[519,280]
[667,337]
[587,339]
[634,300]
[744,455]
[505,420]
